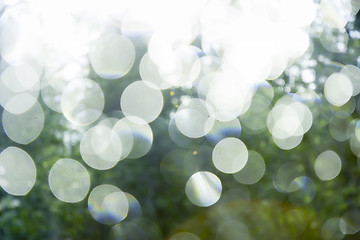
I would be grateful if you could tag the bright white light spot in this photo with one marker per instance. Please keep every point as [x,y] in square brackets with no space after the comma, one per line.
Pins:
[203,189]
[308,75]
[17,171]
[112,56]
[338,89]
[230,155]
[229,98]
[138,99]
[327,165]
[19,35]
[69,181]
[26,127]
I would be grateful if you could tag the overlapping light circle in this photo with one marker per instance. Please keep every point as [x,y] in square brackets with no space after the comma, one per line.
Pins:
[142,136]
[193,118]
[108,204]
[19,88]
[289,118]
[253,171]
[82,101]
[150,74]
[221,130]
[105,144]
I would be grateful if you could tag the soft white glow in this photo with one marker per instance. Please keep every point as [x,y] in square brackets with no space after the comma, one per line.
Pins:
[107,204]
[203,189]
[112,56]
[338,89]
[138,99]
[26,127]
[17,171]
[230,155]
[327,165]
[82,101]
[69,181]
[193,118]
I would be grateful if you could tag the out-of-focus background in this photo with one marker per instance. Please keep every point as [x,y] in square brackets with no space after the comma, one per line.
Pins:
[179,120]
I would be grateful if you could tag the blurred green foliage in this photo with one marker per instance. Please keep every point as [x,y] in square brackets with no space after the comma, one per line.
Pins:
[266,212]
